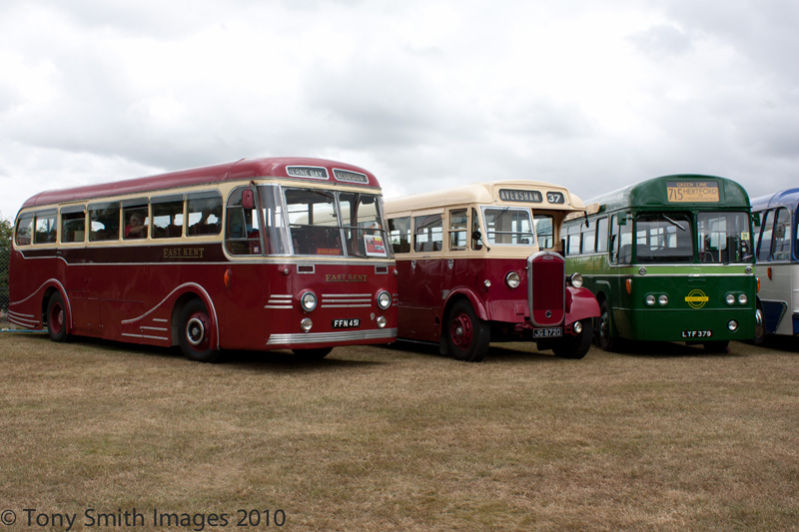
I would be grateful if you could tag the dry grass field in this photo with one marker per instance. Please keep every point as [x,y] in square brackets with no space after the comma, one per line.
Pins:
[375,438]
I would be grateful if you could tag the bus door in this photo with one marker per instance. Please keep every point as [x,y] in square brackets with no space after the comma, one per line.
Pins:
[776,279]
[423,280]
[459,271]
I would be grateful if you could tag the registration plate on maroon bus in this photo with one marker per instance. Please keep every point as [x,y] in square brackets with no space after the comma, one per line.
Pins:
[548,332]
[346,324]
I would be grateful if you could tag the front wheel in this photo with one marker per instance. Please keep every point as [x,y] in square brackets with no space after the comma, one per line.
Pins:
[578,345]
[467,335]
[196,333]
[56,318]
[604,332]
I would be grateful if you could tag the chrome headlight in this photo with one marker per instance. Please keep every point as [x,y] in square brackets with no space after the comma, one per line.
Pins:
[663,300]
[576,280]
[308,301]
[742,299]
[650,300]
[513,280]
[383,300]
[730,299]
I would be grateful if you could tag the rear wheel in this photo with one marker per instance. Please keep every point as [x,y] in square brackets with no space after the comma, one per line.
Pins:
[467,335]
[196,334]
[56,318]
[312,354]
[578,345]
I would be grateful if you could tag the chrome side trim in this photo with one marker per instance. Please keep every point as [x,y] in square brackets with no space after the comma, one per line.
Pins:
[346,301]
[280,301]
[324,337]
[147,336]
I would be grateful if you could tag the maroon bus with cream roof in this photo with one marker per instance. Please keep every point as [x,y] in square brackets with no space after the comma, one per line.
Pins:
[257,254]
[482,263]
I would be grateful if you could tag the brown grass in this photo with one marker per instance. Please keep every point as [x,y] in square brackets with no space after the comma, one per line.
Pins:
[374,438]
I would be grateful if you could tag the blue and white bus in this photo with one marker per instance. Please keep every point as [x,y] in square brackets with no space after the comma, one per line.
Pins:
[777,256]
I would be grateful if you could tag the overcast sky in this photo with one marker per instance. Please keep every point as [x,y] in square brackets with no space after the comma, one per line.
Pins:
[426,94]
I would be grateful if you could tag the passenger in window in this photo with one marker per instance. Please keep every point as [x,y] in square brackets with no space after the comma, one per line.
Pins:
[135,227]
[205,225]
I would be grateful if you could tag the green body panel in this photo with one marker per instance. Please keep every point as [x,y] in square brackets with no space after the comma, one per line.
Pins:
[633,319]
[683,283]
[652,194]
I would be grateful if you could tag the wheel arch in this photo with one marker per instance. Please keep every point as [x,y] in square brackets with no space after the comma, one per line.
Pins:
[194,292]
[583,305]
[469,295]
[50,288]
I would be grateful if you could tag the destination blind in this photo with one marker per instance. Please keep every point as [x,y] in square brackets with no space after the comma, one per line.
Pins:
[692,191]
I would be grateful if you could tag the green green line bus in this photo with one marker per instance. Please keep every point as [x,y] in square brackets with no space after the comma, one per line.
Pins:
[669,259]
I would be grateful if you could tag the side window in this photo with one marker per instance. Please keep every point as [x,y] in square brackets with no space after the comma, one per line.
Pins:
[400,234]
[242,235]
[589,234]
[73,224]
[204,212]
[428,233]
[782,235]
[477,243]
[167,216]
[756,229]
[613,244]
[544,230]
[573,238]
[602,234]
[625,255]
[764,248]
[104,220]
[458,225]
[134,212]
[45,227]
[24,232]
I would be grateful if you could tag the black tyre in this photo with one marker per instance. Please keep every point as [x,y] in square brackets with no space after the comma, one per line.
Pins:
[604,333]
[56,318]
[467,336]
[312,354]
[196,334]
[578,345]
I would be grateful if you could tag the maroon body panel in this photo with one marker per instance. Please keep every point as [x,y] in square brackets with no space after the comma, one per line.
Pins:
[138,293]
[237,171]
[110,295]
[428,288]
[580,304]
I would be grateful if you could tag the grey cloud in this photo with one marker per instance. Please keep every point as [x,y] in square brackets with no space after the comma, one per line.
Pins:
[764,32]
[662,41]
